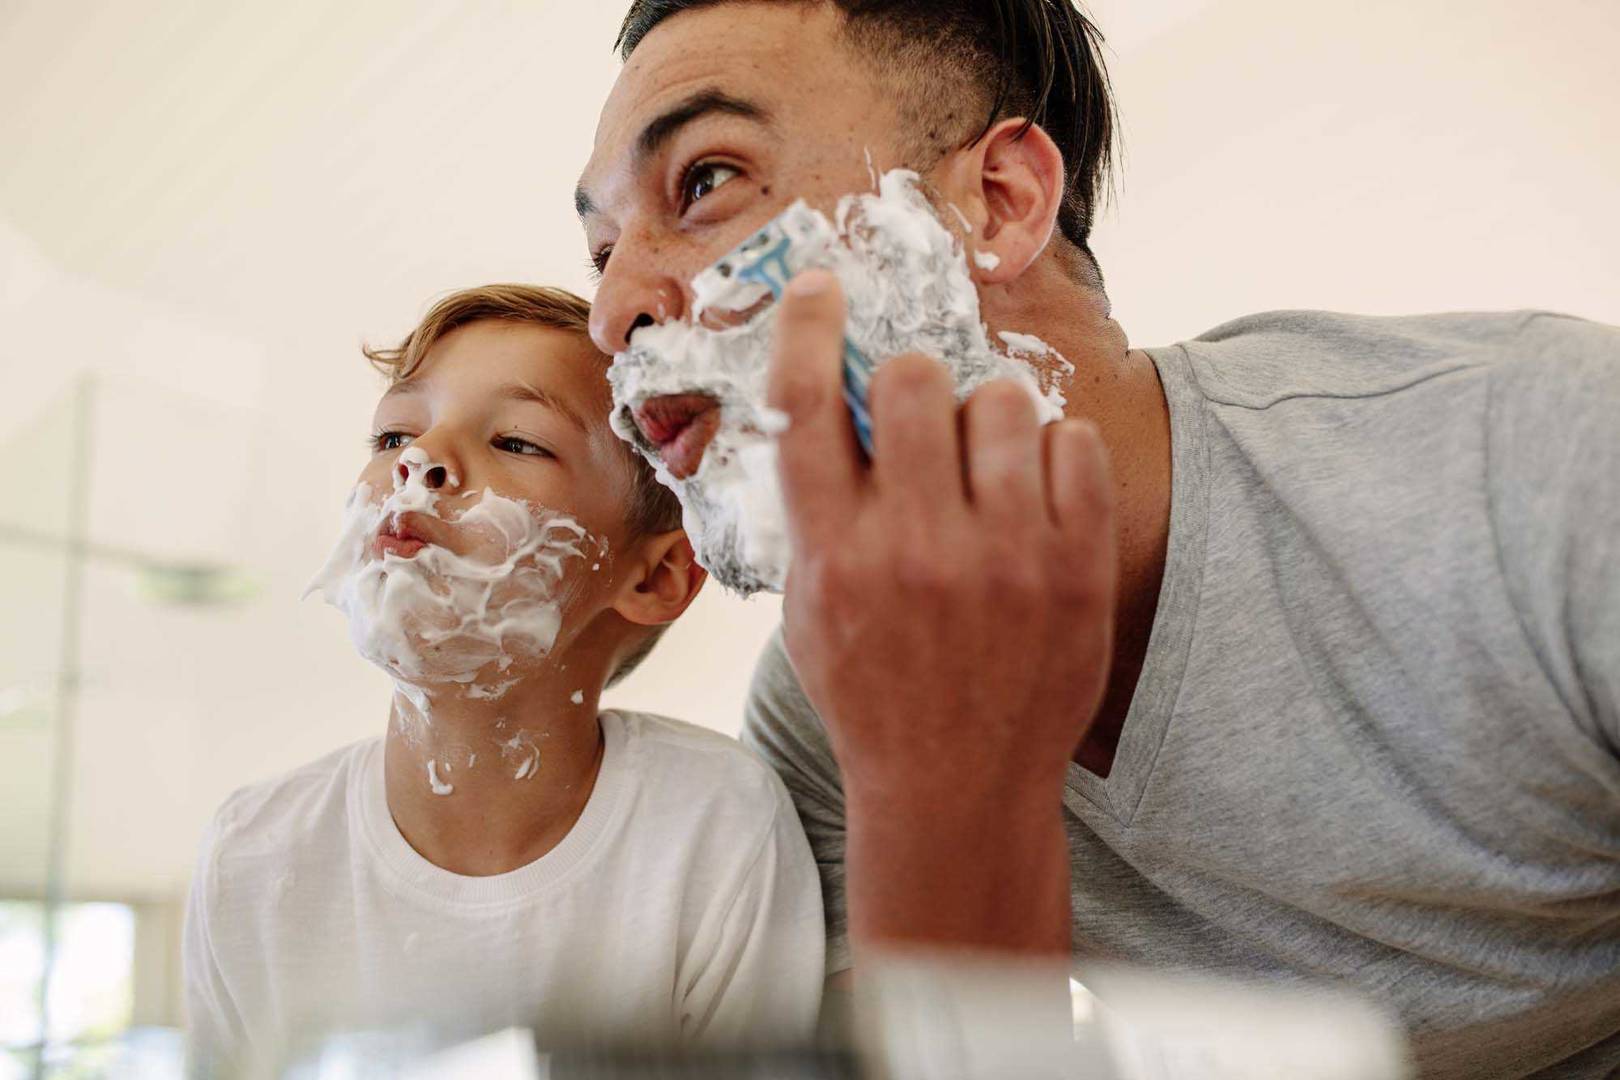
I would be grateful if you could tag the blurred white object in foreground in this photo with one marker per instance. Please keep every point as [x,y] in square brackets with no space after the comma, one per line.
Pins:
[973,1018]
[1161,1027]
[505,1055]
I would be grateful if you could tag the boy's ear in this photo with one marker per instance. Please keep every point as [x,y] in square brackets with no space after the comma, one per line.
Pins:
[1009,188]
[661,578]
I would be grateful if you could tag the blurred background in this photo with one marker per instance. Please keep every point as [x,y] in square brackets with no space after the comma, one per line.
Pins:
[206,207]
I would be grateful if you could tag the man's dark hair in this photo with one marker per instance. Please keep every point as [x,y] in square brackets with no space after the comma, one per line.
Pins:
[1036,59]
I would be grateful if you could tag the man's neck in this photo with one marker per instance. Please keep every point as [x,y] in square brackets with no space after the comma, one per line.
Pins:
[1117,389]
[482,787]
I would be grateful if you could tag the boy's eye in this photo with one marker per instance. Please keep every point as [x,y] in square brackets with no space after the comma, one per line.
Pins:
[514,445]
[389,440]
[702,179]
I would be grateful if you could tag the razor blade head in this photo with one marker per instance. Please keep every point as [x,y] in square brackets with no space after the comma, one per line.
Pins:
[795,240]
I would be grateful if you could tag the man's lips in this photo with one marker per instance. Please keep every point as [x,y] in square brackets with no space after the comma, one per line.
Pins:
[680,426]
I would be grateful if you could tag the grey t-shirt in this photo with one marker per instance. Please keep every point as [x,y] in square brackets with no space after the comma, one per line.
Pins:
[1376,741]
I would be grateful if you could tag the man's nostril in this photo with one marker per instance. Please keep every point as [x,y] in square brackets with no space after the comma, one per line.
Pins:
[435,477]
[404,472]
[643,319]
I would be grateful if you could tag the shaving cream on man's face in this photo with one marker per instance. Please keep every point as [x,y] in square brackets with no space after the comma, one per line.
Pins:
[435,599]
[908,289]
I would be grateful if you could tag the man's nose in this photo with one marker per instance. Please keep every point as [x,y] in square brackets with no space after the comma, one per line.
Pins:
[629,298]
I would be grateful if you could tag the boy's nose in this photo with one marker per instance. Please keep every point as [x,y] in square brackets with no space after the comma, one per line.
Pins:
[434,476]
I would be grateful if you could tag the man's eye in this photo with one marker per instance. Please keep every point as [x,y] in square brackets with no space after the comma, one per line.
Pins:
[702,179]
[388,440]
[514,445]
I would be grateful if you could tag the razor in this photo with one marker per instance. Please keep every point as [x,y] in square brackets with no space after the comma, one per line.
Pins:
[764,263]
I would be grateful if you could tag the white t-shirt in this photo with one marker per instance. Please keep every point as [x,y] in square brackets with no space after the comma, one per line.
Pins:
[683,906]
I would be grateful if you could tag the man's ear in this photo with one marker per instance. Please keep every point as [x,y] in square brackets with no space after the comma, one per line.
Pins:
[660,579]
[1009,187]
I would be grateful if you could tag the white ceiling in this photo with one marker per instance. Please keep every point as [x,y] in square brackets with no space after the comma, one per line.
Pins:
[210,204]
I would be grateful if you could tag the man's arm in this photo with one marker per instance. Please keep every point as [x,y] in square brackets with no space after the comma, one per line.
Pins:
[948,612]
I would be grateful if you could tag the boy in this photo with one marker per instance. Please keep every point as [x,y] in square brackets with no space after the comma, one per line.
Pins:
[505,854]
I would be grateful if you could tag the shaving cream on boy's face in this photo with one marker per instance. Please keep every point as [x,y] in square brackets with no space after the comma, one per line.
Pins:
[908,289]
[442,586]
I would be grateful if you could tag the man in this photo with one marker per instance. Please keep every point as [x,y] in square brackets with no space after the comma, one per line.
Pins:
[1294,652]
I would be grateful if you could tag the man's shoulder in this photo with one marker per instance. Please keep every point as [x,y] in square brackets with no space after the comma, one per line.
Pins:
[782,726]
[299,811]
[1262,359]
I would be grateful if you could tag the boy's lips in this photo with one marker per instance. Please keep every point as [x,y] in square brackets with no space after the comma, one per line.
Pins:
[403,535]
[680,426]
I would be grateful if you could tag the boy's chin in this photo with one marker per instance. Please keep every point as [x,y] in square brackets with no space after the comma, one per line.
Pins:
[446,674]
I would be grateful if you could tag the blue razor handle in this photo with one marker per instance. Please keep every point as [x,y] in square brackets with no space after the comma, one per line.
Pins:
[767,259]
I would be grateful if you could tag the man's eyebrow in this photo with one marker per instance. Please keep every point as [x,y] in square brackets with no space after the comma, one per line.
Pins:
[522,391]
[667,124]
[663,127]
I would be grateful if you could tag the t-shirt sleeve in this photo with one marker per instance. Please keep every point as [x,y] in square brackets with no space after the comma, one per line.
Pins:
[782,727]
[759,980]
[1553,441]
[215,1036]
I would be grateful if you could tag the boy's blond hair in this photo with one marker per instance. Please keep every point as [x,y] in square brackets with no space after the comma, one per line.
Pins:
[653,507]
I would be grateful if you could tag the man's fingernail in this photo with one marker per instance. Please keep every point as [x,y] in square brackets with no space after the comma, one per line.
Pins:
[810,283]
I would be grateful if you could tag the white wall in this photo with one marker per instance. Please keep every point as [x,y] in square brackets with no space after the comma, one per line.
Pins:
[213,204]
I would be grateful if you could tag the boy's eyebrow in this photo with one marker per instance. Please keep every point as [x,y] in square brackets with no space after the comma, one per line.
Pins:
[513,391]
[667,124]
[522,391]
[402,387]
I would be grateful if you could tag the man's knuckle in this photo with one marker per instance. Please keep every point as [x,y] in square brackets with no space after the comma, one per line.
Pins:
[796,393]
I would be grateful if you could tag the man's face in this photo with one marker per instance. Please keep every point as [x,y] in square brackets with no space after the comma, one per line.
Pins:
[721,118]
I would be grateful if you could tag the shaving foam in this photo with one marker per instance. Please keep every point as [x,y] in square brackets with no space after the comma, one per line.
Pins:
[908,289]
[439,619]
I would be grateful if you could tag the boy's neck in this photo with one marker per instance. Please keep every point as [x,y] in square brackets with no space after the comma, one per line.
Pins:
[484,787]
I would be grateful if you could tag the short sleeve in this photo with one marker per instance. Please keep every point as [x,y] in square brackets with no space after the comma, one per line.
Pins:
[1554,480]
[782,727]
[215,1035]
[758,976]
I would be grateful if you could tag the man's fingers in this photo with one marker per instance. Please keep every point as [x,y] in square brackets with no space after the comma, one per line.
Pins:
[916,448]
[1004,452]
[818,455]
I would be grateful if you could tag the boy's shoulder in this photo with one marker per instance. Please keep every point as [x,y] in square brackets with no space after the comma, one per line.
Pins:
[686,762]
[304,810]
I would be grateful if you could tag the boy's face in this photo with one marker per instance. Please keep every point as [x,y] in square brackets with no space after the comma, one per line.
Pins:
[484,532]
[516,408]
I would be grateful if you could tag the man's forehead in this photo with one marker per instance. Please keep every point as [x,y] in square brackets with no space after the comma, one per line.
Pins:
[747,51]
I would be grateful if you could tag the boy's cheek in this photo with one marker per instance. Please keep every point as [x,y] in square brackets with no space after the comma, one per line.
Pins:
[377,473]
